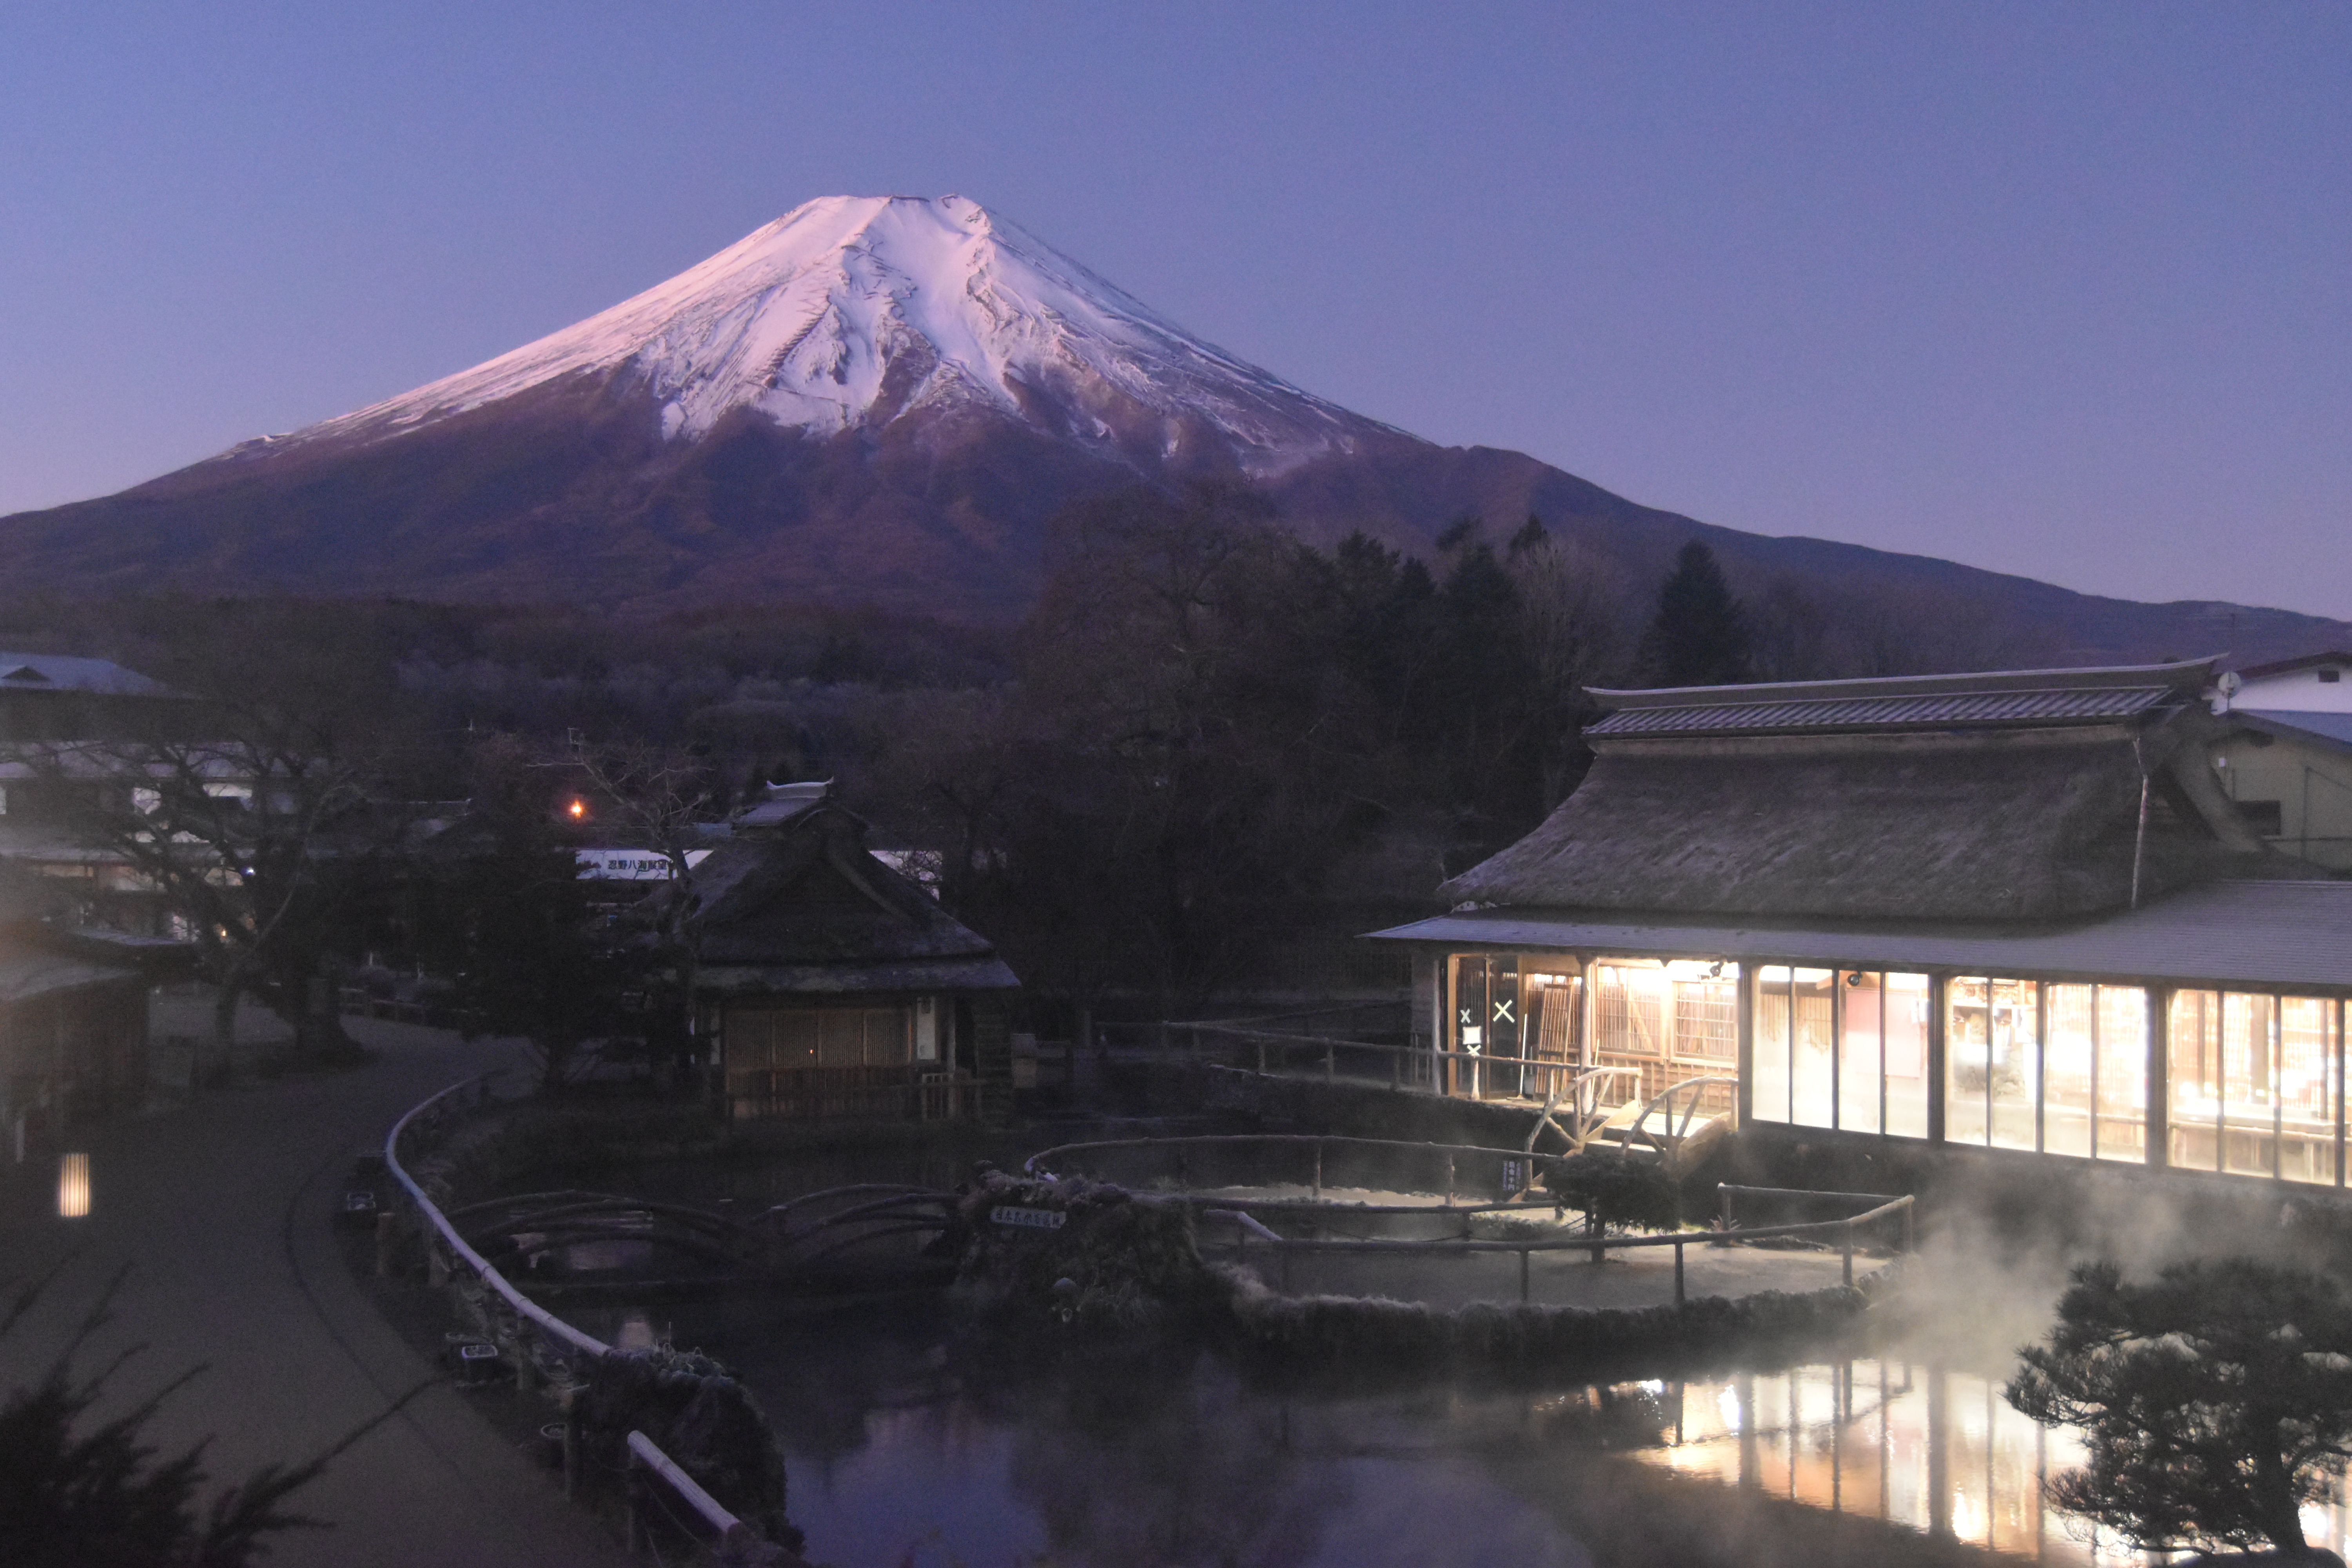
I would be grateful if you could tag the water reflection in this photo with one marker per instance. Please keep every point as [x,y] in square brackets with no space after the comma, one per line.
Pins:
[1935,1450]
[907,1447]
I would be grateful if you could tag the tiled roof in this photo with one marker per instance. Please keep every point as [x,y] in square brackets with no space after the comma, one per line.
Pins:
[1940,710]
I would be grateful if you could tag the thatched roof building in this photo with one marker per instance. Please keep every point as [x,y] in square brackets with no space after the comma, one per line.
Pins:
[2015,913]
[835,985]
[2039,795]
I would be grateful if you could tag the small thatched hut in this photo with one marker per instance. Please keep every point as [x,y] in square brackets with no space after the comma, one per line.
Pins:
[836,986]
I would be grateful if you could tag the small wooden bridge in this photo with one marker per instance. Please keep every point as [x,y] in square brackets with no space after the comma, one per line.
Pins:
[862,1236]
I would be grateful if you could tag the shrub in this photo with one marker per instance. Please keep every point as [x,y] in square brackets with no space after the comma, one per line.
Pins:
[1615,1191]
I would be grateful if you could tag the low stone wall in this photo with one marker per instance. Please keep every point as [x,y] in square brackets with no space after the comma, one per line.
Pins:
[1337,1332]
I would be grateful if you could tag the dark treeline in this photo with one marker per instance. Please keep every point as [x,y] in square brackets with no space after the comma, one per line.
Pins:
[1209,751]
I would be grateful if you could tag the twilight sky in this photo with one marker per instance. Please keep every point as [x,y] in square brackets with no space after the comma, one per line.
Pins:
[2058,289]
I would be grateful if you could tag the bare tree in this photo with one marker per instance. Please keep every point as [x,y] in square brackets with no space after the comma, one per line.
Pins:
[664,798]
[256,840]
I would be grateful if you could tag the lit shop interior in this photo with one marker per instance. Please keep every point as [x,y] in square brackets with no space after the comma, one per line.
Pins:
[2236,1082]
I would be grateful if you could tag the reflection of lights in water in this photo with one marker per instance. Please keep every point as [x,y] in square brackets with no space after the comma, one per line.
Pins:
[1886,1449]
[73,1186]
[1970,1516]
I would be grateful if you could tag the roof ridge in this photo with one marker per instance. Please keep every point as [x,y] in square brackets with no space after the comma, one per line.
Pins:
[2187,675]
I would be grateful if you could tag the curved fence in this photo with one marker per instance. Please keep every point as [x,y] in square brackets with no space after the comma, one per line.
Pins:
[536,1341]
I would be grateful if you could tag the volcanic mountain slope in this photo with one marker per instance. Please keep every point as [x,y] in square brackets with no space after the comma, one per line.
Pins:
[868,399]
[884,400]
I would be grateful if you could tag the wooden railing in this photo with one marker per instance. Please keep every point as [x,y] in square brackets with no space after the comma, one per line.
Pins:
[872,1093]
[1402,1064]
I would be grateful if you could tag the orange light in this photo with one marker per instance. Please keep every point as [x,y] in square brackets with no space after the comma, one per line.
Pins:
[579,809]
[73,1186]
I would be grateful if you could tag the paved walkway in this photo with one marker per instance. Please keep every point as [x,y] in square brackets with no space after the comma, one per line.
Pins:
[223,1207]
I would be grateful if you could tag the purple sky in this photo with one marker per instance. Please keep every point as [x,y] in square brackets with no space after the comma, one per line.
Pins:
[2055,289]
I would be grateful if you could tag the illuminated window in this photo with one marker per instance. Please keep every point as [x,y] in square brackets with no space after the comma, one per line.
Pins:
[1768,1091]
[2255,1085]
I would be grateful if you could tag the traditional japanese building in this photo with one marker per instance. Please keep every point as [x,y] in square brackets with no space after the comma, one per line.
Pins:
[833,985]
[2015,911]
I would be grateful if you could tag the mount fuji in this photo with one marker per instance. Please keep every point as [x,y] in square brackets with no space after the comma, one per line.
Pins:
[852,312]
[871,399]
[885,400]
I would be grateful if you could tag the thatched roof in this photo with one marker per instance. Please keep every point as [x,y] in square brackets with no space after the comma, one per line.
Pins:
[802,901]
[2030,815]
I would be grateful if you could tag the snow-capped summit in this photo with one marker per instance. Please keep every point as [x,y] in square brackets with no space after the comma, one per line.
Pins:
[864,310]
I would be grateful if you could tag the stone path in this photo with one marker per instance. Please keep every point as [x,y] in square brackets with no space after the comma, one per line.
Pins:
[223,1208]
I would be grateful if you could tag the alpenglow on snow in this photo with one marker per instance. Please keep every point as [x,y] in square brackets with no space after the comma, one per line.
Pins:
[862,310]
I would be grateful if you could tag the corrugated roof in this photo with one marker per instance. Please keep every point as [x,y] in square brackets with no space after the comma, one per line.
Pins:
[1937,710]
[2268,934]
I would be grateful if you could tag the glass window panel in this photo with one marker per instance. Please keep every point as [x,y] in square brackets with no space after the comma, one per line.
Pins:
[1862,1049]
[2016,1061]
[2193,1071]
[1769,1070]
[1706,1026]
[2310,1089]
[2248,1085]
[1812,1070]
[1552,1016]
[1469,1020]
[2067,1059]
[1632,1010]
[1968,1059]
[1469,1002]
[1503,1025]
[2122,1091]
[1905,1007]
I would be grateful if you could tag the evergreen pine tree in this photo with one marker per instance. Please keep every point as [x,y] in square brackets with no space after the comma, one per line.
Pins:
[1699,636]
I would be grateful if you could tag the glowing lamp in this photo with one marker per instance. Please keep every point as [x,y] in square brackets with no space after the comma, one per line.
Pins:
[73,1186]
[578,809]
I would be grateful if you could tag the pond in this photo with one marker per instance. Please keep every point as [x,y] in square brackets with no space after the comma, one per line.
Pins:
[907,1447]
[908,1444]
